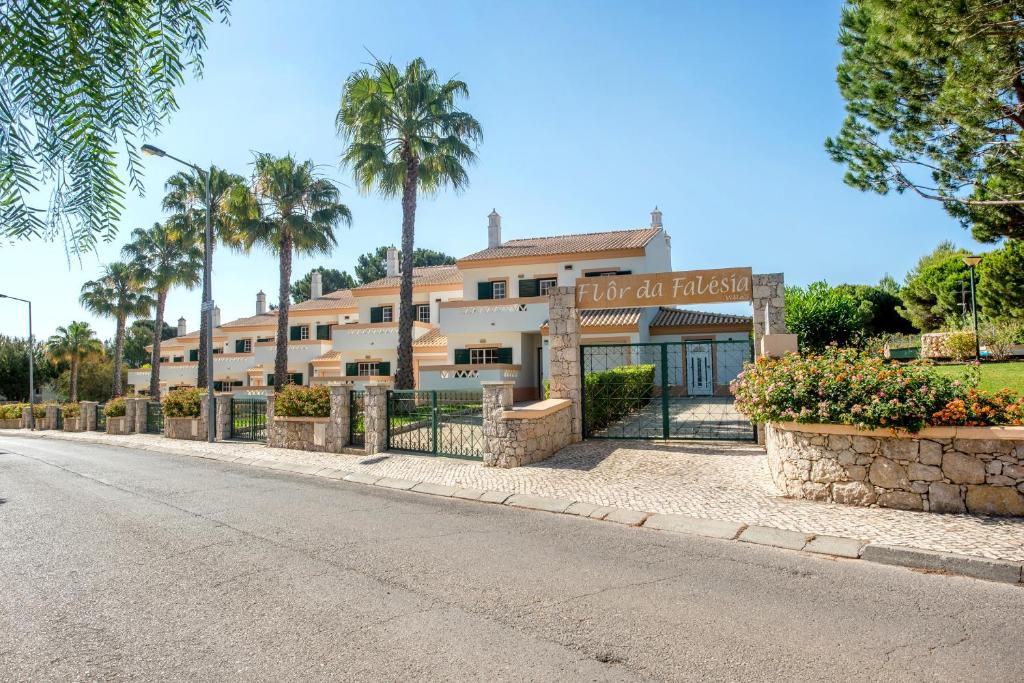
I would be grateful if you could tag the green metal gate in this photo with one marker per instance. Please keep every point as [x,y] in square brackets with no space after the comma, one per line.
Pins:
[101,417]
[249,419]
[436,422]
[357,419]
[154,418]
[664,390]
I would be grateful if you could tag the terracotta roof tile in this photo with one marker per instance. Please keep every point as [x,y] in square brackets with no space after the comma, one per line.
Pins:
[269,318]
[599,317]
[568,244]
[425,275]
[431,338]
[329,355]
[677,317]
[341,298]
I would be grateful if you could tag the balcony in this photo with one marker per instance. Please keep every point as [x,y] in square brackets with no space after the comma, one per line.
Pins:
[525,314]
[458,377]
[371,336]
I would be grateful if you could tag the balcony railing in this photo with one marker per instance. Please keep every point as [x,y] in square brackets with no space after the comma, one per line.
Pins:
[525,314]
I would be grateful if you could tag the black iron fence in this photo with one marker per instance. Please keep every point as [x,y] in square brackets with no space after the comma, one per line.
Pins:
[357,419]
[101,417]
[249,419]
[436,422]
[154,417]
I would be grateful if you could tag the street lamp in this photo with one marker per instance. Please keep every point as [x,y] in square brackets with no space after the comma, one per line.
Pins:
[971,262]
[207,307]
[31,363]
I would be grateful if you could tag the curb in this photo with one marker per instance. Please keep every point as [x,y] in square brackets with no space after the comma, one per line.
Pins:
[1002,571]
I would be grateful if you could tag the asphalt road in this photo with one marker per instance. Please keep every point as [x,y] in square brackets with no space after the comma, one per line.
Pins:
[128,564]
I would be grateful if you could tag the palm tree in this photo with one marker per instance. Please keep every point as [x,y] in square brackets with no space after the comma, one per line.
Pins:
[71,344]
[162,258]
[186,200]
[288,208]
[117,294]
[406,135]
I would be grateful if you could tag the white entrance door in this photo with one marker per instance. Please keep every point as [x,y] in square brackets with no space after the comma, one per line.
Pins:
[698,369]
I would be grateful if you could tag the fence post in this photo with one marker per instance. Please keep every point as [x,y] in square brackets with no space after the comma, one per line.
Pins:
[497,397]
[664,392]
[87,415]
[131,419]
[375,417]
[223,417]
[341,414]
[26,417]
[52,414]
[564,352]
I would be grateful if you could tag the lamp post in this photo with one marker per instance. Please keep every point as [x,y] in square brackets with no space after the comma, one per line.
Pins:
[971,262]
[207,307]
[31,363]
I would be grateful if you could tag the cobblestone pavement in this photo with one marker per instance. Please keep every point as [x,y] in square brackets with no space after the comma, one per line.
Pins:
[714,481]
[708,417]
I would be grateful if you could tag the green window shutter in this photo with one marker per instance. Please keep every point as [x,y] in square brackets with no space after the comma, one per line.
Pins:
[270,380]
[384,369]
[218,386]
[323,332]
[484,290]
[625,272]
[295,333]
[377,314]
[193,355]
[351,369]
[462,356]
[505,355]
[296,378]
[239,346]
[529,288]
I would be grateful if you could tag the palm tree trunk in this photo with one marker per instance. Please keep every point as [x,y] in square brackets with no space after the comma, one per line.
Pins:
[404,376]
[203,351]
[118,356]
[74,379]
[283,294]
[154,360]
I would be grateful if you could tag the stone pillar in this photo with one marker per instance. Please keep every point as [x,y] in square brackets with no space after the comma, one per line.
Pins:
[375,417]
[338,427]
[497,398]
[564,351]
[26,417]
[141,414]
[204,415]
[223,417]
[52,414]
[130,415]
[87,415]
[275,439]
[769,293]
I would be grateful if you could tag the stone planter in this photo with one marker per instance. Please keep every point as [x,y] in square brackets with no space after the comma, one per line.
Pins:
[14,423]
[939,469]
[119,425]
[187,428]
[74,424]
[299,433]
[520,435]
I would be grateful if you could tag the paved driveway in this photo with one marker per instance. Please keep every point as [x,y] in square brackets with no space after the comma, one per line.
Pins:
[689,417]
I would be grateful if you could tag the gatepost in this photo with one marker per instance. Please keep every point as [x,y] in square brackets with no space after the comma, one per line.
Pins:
[564,352]
[375,417]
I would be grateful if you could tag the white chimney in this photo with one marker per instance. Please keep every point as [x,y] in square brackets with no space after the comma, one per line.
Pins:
[216,316]
[181,327]
[493,229]
[316,285]
[656,218]
[261,302]
[392,262]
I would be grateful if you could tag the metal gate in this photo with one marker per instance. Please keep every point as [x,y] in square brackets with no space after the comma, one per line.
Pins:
[101,417]
[154,418]
[436,422]
[249,419]
[664,390]
[357,419]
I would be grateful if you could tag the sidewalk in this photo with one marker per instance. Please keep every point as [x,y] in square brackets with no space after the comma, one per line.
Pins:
[725,482]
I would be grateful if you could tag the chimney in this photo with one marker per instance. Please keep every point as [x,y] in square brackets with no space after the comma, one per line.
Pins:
[216,316]
[493,229]
[316,285]
[656,218]
[392,262]
[181,327]
[261,302]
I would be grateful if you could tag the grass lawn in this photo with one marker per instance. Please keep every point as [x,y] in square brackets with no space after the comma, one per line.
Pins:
[994,376]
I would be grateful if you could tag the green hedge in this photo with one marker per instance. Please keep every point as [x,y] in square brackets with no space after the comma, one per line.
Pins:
[612,394]
[70,409]
[296,401]
[183,403]
[115,407]
[12,411]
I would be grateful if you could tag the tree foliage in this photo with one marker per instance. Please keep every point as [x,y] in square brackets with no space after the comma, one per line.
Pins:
[94,376]
[332,280]
[935,105]
[373,265]
[821,315]
[71,345]
[14,368]
[80,80]
[1001,293]
[138,336]
[933,293]
[879,308]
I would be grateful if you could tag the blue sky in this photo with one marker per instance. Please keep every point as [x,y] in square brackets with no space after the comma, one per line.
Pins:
[593,112]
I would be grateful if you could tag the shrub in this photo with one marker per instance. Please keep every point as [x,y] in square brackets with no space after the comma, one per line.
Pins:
[11,411]
[1000,337]
[183,403]
[616,392]
[844,386]
[39,410]
[547,388]
[960,345]
[981,409]
[115,407]
[70,409]
[296,401]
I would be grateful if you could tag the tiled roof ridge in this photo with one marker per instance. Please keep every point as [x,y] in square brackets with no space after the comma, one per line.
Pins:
[576,234]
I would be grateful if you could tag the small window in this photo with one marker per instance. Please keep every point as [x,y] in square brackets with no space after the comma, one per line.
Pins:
[218,350]
[423,313]
[304,332]
[369,369]
[544,285]
[163,359]
[606,273]
[483,356]
[498,289]
[386,314]
[264,339]
[178,359]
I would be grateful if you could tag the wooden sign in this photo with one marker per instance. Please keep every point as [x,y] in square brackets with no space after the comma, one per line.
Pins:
[720,285]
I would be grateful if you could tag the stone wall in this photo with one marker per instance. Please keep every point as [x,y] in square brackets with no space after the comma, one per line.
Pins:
[519,436]
[375,418]
[187,428]
[564,353]
[319,434]
[119,425]
[933,345]
[88,412]
[73,424]
[16,423]
[940,469]
[769,293]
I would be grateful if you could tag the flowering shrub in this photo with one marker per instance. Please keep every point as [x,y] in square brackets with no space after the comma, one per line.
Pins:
[296,401]
[70,409]
[11,411]
[843,386]
[960,345]
[183,403]
[115,407]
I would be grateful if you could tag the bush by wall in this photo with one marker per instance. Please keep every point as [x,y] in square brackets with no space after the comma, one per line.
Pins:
[296,401]
[960,345]
[11,411]
[610,394]
[183,403]
[844,386]
[70,409]
[115,407]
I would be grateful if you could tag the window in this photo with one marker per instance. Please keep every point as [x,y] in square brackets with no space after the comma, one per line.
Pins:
[603,273]
[218,350]
[163,359]
[498,289]
[481,356]
[386,314]
[369,369]
[544,285]
[298,332]
[243,346]
[323,332]
[304,332]
[178,359]
[260,340]
[423,313]
[193,354]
